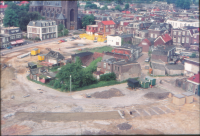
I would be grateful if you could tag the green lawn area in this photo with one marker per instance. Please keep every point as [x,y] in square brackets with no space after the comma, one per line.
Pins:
[98,49]
[101,84]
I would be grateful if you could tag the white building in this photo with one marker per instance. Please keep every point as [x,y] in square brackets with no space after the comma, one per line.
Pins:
[182,23]
[43,29]
[114,40]
[97,3]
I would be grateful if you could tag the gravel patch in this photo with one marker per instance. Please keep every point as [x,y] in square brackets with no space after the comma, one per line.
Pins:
[77,109]
[113,92]
[157,96]
[124,126]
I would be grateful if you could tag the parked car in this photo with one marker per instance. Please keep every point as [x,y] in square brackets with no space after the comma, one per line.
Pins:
[105,41]
[147,60]
[95,40]
[9,47]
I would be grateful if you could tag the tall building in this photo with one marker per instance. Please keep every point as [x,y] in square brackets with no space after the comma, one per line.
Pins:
[63,12]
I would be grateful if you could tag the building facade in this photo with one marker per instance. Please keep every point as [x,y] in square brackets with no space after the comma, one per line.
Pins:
[12,34]
[182,23]
[43,29]
[63,12]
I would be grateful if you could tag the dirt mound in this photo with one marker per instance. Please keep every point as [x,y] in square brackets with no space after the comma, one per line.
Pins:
[124,126]
[113,92]
[16,130]
[157,96]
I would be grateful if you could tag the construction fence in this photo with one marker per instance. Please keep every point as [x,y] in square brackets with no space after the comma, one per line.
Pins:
[99,38]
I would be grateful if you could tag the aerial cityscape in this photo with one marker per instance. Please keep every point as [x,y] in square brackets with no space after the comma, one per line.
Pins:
[99,67]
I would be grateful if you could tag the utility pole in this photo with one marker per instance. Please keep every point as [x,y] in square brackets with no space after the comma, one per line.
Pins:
[70,84]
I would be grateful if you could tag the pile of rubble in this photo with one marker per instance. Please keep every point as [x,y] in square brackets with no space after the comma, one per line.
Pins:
[124,126]
[113,92]
[157,96]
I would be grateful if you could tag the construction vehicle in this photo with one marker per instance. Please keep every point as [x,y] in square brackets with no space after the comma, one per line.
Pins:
[35,51]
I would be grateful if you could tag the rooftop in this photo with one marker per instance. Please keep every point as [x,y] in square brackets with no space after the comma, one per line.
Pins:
[194,78]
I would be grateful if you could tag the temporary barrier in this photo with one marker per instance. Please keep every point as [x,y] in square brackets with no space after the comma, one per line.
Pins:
[24,55]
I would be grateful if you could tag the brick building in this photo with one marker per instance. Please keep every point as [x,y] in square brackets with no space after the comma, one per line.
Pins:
[106,27]
[146,44]
[164,39]
[63,12]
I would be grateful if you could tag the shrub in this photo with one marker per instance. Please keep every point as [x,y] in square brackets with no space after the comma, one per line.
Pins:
[108,77]
[37,38]
[52,82]
[56,85]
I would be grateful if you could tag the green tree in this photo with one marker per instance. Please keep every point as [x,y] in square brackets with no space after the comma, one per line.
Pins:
[10,18]
[57,84]
[119,2]
[108,77]
[88,20]
[118,8]
[91,6]
[126,6]
[186,4]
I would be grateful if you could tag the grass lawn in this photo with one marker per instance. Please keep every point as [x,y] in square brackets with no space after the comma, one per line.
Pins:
[98,49]
[101,84]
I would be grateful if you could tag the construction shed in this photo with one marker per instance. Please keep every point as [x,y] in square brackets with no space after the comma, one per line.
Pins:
[144,83]
[133,83]
[179,99]
[41,57]
[32,65]
[188,97]
[174,69]
[158,69]
[35,51]
[152,81]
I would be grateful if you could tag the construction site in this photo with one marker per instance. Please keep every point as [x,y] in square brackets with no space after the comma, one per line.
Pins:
[110,110]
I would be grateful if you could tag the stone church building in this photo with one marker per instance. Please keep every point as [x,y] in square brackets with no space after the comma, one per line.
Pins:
[63,12]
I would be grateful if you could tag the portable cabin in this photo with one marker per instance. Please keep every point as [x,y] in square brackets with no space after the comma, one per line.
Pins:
[35,51]
[188,97]
[41,57]
[133,83]
[151,80]
[144,83]
[179,99]
[32,65]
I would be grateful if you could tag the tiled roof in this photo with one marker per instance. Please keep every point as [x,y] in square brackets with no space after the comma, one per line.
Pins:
[117,55]
[195,78]
[55,55]
[24,2]
[166,37]
[175,67]
[147,41]
[3,6]
[108,22]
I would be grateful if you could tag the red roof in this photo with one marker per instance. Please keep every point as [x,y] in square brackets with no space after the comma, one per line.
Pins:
[147,41]
[126,23]
[121,51]
[166,37]
[24,2]
[195,78]
[127,12]
[108,22]
[3,6]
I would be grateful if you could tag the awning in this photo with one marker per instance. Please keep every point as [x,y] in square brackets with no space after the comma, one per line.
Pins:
[19,41]
[13,42]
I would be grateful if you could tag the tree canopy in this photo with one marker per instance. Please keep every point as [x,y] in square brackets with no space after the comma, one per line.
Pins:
[19,16]
[104,8]
[183,4]
[88,20]
[118,8]
[79,77]
[126,6]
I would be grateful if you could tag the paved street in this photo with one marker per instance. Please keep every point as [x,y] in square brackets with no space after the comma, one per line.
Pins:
[7,51]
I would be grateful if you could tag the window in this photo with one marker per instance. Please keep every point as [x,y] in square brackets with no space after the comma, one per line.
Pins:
[151,35]
[108,66]
[106,26]
[47,36]
[178,39]
[3,40]
[155,35]
[174,33]
[104,65]
[195,36]
[174,40]
[118,68]
[183,39]
[179,33]
[107,30]
[51,35]
[54,35]
[187,40]
[115,67]
[183,33]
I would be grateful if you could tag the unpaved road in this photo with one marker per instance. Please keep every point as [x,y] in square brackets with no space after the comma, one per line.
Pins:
[184,119]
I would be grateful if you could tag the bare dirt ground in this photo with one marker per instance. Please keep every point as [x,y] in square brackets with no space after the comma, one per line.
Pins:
[183,119]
